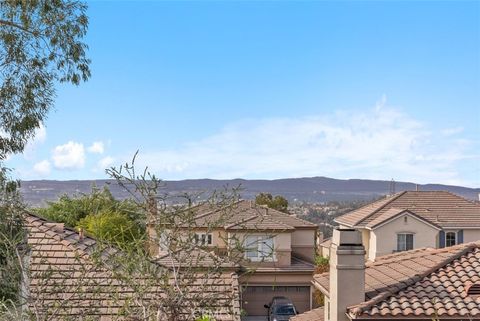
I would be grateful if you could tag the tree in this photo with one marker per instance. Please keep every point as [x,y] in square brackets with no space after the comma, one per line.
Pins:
[40,44]
[113,227]
[278,202]
[98,213]
[12,237]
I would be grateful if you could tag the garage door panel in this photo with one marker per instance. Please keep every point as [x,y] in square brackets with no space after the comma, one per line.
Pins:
[254,297]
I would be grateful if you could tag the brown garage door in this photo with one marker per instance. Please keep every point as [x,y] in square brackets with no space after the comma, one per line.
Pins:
[254,297]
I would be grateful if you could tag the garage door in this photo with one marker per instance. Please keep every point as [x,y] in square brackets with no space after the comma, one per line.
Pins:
[254,297]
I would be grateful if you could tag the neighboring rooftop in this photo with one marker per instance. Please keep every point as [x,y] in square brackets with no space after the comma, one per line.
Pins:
[64,280]
[247,215]
[419,283]
[439,208]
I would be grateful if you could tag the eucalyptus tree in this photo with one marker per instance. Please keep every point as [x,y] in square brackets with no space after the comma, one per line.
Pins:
[41,45]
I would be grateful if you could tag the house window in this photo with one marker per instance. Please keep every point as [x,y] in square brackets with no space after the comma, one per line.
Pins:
[404,241]
[203,239]
[450,238]
[259,247]
[164,241]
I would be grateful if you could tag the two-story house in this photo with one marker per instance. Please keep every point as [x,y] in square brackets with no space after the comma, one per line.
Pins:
[414,219]
[71,276]
[276,250]
[423,284]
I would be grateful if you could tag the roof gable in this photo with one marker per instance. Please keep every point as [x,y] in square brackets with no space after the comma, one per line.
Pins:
[440,208]
[394,214]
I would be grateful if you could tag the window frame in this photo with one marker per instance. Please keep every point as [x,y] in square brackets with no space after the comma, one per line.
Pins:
[203,239]
[455,233]
[405,241]
[263,251]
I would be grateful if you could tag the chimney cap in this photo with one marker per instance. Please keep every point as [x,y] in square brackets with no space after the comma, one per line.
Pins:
[346,236]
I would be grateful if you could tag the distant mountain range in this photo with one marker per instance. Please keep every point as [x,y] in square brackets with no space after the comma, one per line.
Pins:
[311,189]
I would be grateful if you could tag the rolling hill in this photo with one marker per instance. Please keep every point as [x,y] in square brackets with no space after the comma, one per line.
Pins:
[307,189]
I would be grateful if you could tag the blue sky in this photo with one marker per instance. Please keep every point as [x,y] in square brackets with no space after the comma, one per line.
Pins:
[226,89]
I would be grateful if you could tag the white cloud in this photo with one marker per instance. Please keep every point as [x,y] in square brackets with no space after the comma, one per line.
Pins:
[106,162]
[97,148]
[380,143]
[69,156]
[42,168]
[39,138]
[452,131]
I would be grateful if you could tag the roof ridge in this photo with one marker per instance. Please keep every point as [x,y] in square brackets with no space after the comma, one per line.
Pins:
[399,212]
[40,222]
[393,198]
[361,307]
[213,211]
[400,256]
[241,221]
[463,198]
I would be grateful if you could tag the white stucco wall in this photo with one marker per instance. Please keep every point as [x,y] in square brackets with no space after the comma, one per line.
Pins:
[385,236]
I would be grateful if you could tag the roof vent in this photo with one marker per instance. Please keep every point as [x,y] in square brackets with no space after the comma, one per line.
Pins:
[474,290]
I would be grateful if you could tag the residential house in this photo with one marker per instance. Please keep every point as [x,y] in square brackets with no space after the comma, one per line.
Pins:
[277,252]
[414,219]
[422,284]
[64,283]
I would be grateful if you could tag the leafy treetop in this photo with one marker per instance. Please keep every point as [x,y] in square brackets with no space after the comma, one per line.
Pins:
[40,44]
[278,202]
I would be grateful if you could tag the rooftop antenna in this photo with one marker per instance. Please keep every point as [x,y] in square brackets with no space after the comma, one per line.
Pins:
[392,187]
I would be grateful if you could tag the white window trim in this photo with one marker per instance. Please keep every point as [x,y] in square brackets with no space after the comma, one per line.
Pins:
[206,237]
[405,233]
[456,237]
[269,258]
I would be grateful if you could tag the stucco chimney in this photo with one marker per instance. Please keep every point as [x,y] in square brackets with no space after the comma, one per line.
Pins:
[347,272]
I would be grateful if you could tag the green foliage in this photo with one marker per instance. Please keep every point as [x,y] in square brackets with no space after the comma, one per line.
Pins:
[278,202]
[100,214]
[321,261]
[71,209]
[113,227]
[12,238]
[40,44]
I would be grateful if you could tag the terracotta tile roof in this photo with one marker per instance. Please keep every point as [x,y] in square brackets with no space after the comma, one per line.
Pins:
[247,215]
[312,315]
[417,283]
[64,282]
[196,257]
[441,208]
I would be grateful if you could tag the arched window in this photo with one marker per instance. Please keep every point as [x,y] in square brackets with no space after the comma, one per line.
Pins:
[450,238]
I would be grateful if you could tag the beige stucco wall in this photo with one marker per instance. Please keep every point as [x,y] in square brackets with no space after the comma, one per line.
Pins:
[303,244]
[303,237]
[471,235]
[372,246]
[324,251]
[365,240]
[383,240]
